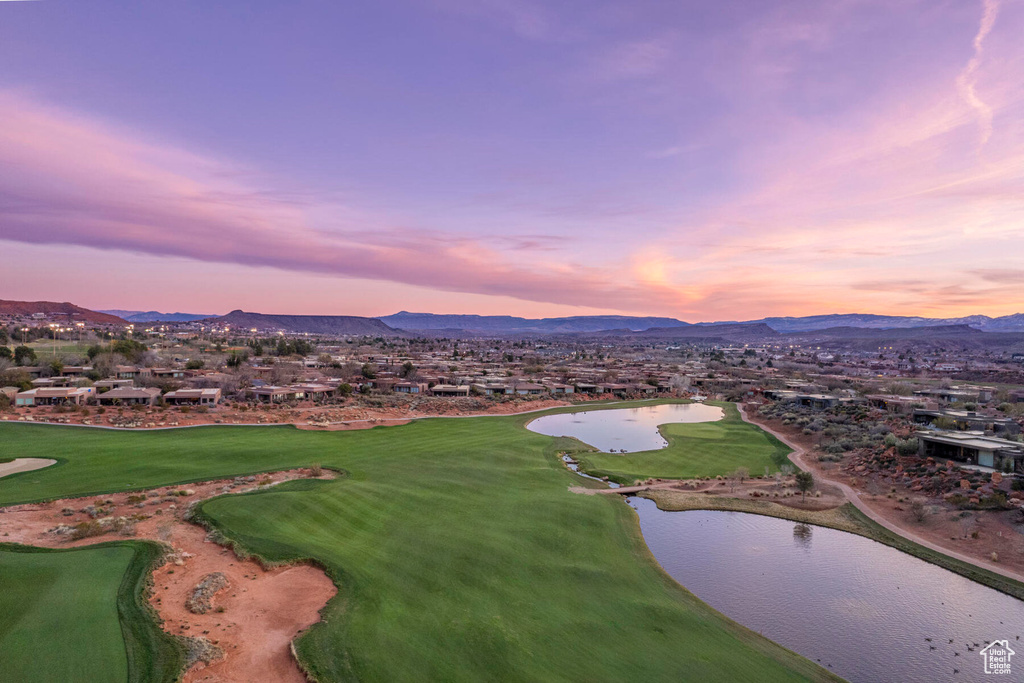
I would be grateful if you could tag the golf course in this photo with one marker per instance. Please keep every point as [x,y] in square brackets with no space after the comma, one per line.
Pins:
[76,615]
[458,551]
[699,449]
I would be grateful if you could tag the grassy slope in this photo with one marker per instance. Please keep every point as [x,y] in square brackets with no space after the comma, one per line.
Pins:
[703,449]
[105,633]
[459,553]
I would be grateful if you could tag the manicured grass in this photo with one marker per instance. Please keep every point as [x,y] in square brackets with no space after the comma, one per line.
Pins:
[459,553]
[79,615]
[702,449]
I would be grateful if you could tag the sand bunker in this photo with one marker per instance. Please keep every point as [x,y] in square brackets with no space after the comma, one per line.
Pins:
[254,614]
[24,465]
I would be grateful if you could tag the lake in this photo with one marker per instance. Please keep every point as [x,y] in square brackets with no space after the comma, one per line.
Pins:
[623,430]
[860,608]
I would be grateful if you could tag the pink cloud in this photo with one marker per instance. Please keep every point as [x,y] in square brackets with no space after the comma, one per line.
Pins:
[69,180]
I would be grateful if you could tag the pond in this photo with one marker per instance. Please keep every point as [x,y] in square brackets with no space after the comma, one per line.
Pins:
[864,610]
[623,430]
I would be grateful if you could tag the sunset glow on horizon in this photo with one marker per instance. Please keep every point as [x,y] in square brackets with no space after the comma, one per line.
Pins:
[701,161]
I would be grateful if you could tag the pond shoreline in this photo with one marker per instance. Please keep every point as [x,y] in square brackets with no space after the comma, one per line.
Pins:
[844,518]
[831,595]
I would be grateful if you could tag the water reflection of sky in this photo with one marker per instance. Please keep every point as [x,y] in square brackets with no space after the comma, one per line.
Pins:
[858,605]
[626,430]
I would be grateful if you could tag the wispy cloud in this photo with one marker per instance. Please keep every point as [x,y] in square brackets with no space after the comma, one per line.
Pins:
[967,80]
[70,180]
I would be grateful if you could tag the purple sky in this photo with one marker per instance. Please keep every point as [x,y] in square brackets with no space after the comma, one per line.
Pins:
[702,160]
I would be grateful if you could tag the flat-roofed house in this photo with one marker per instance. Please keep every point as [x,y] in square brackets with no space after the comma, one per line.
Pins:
[411,388]
[168,373]
[492,389]
[612,388]
[969,420]
[384,383]
[972,448]
[52,396]
[52,381]
[108,384]
[528,389]
[193,397]
[449,390]
[126,372]
[315,392]
[130,396]
[895,404]
[274,394]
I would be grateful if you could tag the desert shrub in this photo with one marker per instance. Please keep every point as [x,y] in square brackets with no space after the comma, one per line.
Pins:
[86,529]
[907,446]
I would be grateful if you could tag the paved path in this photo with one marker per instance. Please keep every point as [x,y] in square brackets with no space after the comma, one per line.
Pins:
[799,457]
[24,465]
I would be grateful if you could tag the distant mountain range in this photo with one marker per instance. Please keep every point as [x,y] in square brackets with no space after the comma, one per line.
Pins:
[860,327]
[53,309]
[506,324]
[313,324]
[157,316]
[502,324]
[1006,323]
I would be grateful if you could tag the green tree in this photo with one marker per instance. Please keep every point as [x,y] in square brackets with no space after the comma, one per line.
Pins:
[24,355]
[6,353]
[804,482]
[369,371]
[236,359]
[129,348]
[195,364]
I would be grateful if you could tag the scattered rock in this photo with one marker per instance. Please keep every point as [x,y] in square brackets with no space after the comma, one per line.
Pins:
[200,601]
[199,649]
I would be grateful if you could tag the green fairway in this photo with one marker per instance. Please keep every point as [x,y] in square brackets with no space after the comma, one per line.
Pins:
[459,553]
[77,615]
[702,449]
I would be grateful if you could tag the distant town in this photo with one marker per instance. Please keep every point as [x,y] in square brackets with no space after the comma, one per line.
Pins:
[917,423]
[66,364]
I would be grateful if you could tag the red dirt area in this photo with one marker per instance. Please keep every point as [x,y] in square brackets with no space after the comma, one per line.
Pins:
[251,621]
[990,539]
